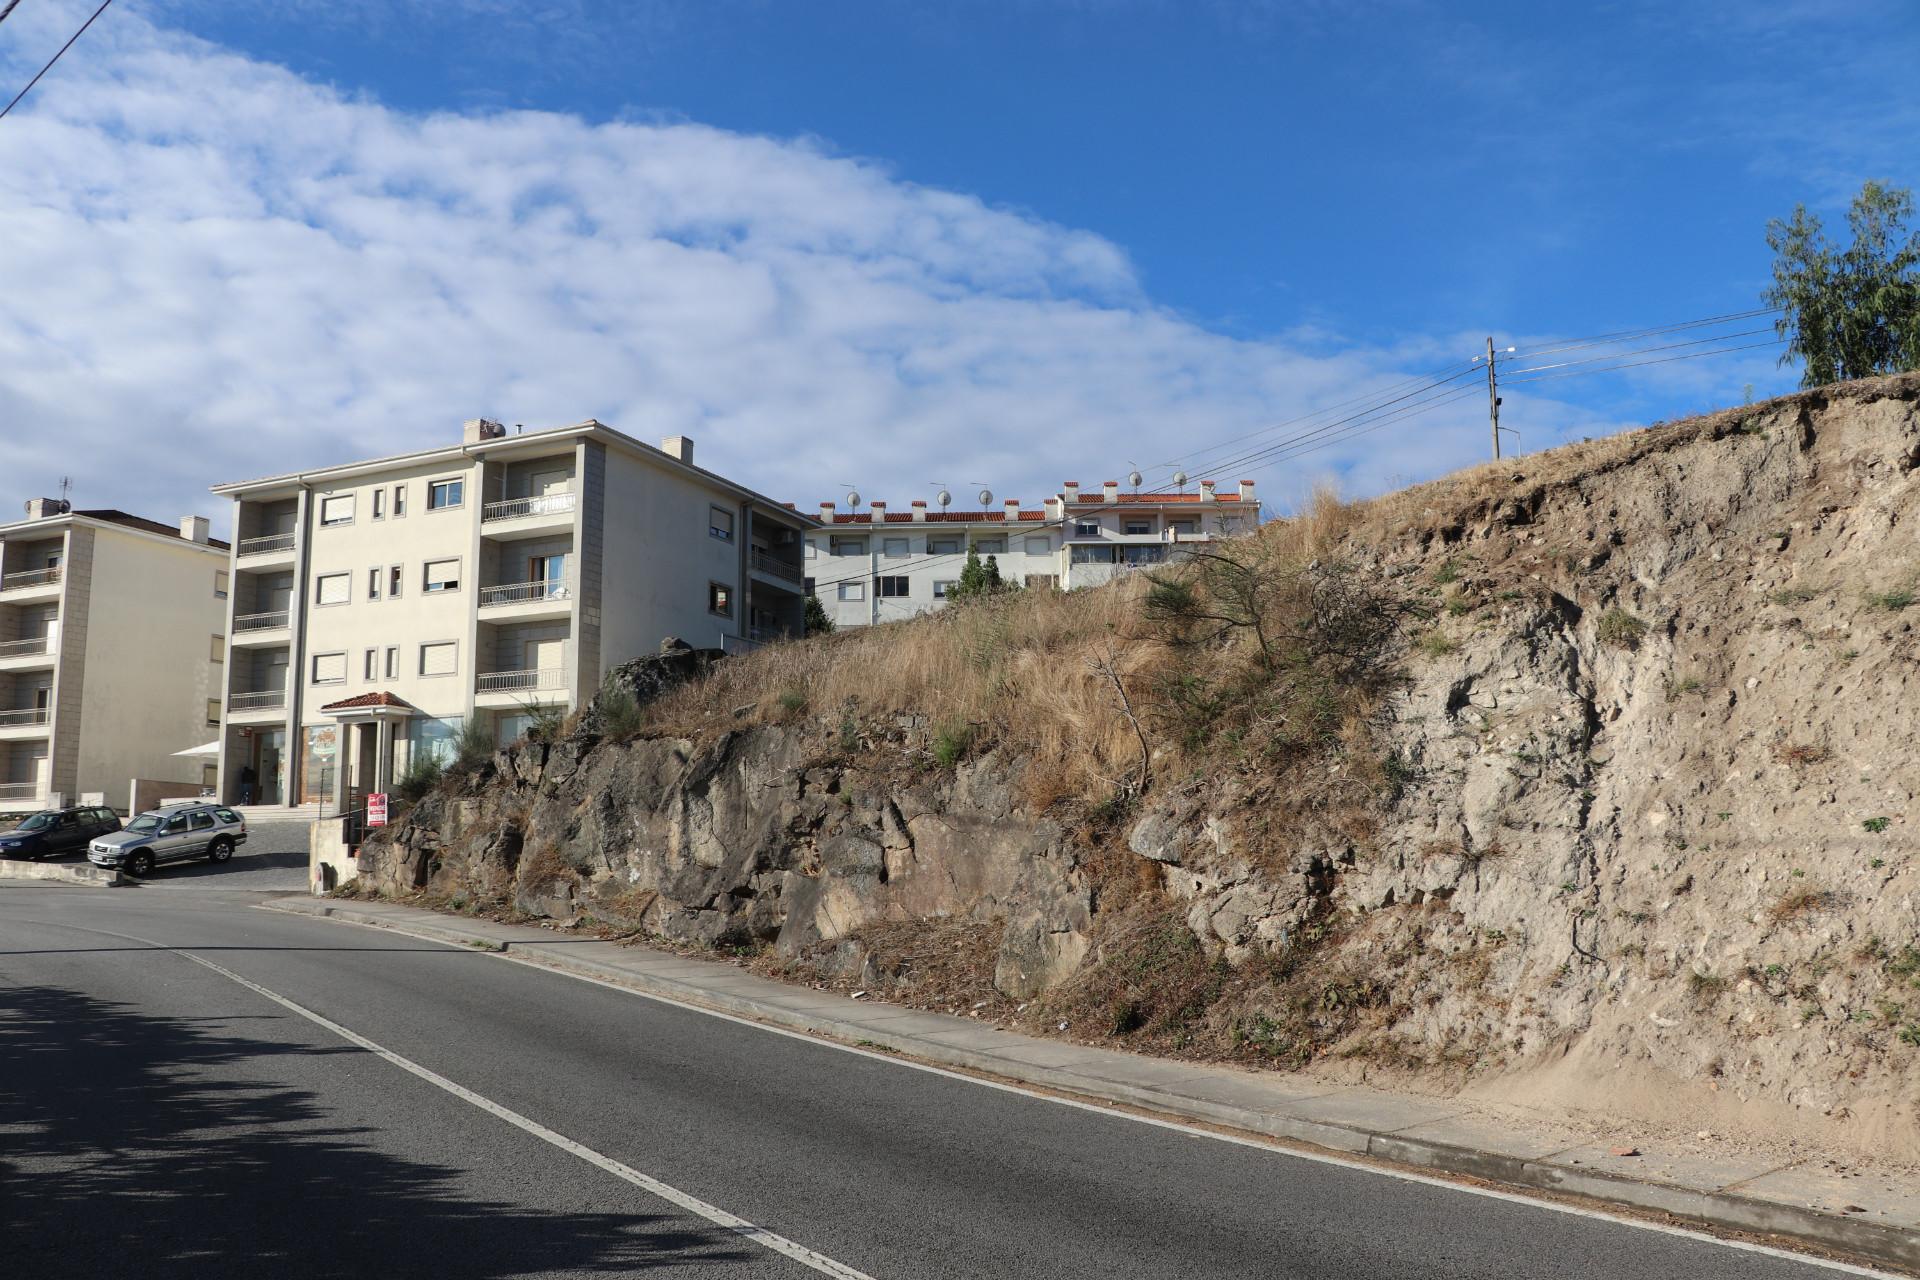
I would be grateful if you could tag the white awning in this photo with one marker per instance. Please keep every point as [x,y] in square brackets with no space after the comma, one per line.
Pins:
[206,749]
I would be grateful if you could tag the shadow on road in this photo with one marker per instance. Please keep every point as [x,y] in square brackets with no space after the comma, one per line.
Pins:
[149,1146]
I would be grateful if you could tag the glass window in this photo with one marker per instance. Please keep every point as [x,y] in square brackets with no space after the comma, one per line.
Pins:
[813,548]
[991,546]
[317,764]
[330,588]
[219,584]
[1186,524]
[371,665]
[892,588]
[399,500]
[393,662]
[720,523]
[853,591]
[1137,527]
[895,548]
[329,668]
[849,546]
[203,821]
[337,510]
[379,504]
[1093,555]
[373,584]
[431,739]
[720,599]
[1038,546]
[394,577]
[807,586]
[442,494]
[213,711]
[1152,554]
[441,658]
[943,546]
[441,575]
[217,649]
[940,588]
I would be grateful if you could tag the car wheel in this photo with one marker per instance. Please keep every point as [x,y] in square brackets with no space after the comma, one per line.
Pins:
[220,850]
[140,863]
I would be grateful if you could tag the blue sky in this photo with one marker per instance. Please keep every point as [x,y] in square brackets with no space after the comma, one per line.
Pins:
[1095,227]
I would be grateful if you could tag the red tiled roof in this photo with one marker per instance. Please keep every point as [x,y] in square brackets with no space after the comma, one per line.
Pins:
[367,700]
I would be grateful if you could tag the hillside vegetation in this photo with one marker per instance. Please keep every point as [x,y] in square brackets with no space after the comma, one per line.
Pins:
[1582,778]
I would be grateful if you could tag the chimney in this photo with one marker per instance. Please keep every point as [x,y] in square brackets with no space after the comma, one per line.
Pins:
[1110,491]
[1246,491]
[920,509]
[474,430]
[879,509]
[1056,508]
[1072,490]
[680,447]
[1206,491]
[826,513]
[46,508]
[1013,510]
[194,528]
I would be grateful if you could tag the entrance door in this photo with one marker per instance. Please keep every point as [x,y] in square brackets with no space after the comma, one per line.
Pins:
[546,655]
[544,487]
[551,573]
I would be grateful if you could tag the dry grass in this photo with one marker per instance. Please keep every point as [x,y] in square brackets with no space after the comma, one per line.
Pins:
[1801,901]
[1800,754]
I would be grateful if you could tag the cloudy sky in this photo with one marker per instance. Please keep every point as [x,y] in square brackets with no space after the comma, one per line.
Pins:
[884,243]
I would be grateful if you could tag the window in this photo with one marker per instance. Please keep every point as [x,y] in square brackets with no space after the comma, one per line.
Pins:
[213,711]
[219,584]
[203,822]
[371,668]
[894,548]
[1135,528]
[373,583]
[1187,524]
[393,662]
[891,588]
[329,668]
[337,510]
[943,546]
[1037,580]
[941,587]
[1093,555]
[443,494]
[853,591]
[399,501]
[440,575]
[330,588]
[720,523]
[849,546]
[394,577]
[720,599]
[379,504]
[991,546]
[440,658]
[1039,547]
[1151,554]
[807,586]
[1086,528]
[813,548]
[217,651]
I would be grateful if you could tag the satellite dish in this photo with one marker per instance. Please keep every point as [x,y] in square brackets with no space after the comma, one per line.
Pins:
[853,500]
[1180,481]
[943,498]
[986,496]
[1133,478]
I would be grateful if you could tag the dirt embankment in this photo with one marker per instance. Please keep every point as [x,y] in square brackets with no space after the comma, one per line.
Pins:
[1582,780]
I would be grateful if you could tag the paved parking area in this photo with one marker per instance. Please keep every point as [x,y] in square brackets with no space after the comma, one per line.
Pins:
[273,860]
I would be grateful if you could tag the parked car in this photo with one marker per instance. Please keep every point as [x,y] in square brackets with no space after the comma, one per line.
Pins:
[175,833]
[55,833]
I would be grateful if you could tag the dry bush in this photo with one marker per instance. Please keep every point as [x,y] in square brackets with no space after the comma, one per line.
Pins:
[1799,753]
[1802,900]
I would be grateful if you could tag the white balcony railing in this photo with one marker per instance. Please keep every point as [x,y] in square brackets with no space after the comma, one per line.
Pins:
[258,700]
[521,681]
[766,562]
[545,504]
[524,592]
[21,717]
[14,792]
[28,648]
[266,544]
[30,578]
[261,621]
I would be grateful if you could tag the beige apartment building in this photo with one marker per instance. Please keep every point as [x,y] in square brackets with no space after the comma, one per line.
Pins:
[112,645]
[377,605]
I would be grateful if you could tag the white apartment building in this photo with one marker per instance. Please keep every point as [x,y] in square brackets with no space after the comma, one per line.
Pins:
[377,605]
[112,636]
[880,566]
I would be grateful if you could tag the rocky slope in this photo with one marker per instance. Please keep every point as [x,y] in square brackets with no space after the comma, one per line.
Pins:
[1632,831]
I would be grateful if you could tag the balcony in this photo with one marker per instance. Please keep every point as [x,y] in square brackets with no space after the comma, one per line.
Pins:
[256,701]
[21,795]
[524,593]
[260,627]
[24,722]
[773,566]
[43,583]
[545,504]
[25,655]
[266,545]
[520,681]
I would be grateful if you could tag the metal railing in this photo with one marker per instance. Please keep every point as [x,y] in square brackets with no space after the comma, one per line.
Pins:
[19,791]
[524,592]
[266,545]
[545,504]
[27,648]
[766,562]
[520,681]
[30,578]
[17,717]
[262,621]
[258,700]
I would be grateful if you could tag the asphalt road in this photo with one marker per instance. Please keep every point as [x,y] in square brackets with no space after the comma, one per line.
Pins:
[159,1118]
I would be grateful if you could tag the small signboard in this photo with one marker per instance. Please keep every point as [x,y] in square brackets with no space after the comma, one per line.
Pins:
[377,809]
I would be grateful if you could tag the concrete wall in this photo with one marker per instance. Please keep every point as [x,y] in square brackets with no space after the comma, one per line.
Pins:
[661,560]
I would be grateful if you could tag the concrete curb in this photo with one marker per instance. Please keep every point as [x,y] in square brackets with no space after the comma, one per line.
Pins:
[726,989]
[57,873]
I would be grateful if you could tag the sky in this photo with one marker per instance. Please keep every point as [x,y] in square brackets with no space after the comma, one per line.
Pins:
[890,245]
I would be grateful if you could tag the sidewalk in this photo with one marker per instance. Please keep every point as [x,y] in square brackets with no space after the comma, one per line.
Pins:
[1861,1212]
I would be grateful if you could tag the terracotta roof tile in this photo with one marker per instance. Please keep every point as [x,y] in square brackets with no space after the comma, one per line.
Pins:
[367,700]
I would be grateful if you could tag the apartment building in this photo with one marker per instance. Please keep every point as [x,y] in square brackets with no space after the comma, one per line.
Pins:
[378,605]
[880,565]
[112,640]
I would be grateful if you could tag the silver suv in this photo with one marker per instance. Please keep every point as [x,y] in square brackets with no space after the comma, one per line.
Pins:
[171,834]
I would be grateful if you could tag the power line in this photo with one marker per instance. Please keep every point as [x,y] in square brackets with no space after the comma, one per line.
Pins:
[11,6]
[50,61]
[1259,457]
[1620,355]
[1365,428]
[1634,335]
[1695,355]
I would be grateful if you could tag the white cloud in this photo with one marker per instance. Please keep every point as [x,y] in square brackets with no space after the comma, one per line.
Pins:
[215,269]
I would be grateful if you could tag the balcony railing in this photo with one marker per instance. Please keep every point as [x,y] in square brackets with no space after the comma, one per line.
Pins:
[13,792]
[524,593]
[20,717]
[545,504]
[521,681]
[266,545]
[30,578]
[259,700]
[28,648]
[767,562]
[262,621]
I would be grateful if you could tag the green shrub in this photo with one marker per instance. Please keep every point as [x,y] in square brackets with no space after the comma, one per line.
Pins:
[793,700]
[1437,644]
[1619,629]
[617,710]
[951,743]
[422,775]
[1891,601]
[474,743]
[1877,825]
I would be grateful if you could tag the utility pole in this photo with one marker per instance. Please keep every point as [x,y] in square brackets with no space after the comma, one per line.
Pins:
[1493,399]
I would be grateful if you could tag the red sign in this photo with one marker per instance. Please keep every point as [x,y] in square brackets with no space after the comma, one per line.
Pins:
[377,809]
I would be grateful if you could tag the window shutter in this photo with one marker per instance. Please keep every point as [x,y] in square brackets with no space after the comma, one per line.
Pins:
[443,575]
[336,510]
[438,659]
[333,589]
[329,668]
